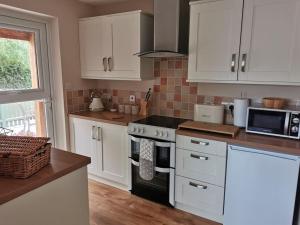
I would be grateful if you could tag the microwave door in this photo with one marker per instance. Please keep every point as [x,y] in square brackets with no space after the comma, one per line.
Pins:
[268,122]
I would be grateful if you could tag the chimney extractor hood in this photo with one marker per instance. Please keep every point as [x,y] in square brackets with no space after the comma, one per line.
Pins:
[171,29]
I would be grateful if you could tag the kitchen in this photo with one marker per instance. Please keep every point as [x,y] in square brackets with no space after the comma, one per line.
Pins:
[187,110]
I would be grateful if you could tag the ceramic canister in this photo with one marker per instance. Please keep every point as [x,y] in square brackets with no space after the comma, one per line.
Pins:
[127,109]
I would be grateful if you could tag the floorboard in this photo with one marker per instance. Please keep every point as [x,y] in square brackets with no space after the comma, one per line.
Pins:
[111,206]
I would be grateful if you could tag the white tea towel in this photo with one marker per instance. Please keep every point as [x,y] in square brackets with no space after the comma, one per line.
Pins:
[147,159]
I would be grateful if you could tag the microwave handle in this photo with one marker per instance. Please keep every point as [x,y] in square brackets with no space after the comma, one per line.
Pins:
[287,123]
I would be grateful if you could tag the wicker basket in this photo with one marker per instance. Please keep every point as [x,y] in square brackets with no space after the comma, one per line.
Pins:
[21,157]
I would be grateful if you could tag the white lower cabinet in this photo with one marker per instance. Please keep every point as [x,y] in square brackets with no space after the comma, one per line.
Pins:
[200,176]
[107,145]
[200,198]
[114,164]
[84,142]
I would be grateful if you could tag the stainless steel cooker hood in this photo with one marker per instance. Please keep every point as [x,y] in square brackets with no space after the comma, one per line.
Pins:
[171,29]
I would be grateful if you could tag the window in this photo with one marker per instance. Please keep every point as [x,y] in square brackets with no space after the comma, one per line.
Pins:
[25,97]
[24,118]
[18,63]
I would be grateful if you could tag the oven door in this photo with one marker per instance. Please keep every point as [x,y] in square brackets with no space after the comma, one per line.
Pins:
[162,187]
[268,121]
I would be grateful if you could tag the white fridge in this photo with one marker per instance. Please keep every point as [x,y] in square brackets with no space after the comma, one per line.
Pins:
[261,187]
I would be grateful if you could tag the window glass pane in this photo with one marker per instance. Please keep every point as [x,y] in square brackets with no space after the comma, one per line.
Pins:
[24,118]
[17,60]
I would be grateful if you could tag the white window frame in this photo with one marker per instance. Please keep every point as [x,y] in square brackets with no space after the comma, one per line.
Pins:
[16,21]
[42,61]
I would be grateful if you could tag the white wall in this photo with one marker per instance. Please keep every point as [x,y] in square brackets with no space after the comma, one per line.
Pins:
[144,5]
[249,91]
[67,13]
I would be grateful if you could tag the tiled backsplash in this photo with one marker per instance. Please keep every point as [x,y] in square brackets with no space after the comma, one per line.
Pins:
[78,100]
[172,95]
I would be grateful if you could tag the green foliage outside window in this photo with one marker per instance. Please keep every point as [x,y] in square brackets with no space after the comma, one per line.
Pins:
[14,64]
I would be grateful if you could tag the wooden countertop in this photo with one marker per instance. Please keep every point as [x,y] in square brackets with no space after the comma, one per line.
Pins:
[107,117]
[263,142]
[61,163]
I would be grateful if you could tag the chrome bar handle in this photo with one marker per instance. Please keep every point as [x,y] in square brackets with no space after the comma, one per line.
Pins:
[110,64]
[244,62]
[93,132]
[204,187]
[98,133]
[104,63]
[199,157]
[233,62]
[199,142]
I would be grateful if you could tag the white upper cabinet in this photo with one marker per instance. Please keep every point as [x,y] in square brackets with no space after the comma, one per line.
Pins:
[261,48]
[270,47]
[125,44]
[108,45]
[215,28]
[95,42]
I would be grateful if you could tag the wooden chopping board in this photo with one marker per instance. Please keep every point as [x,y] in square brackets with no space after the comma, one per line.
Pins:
[210,127]
[112,115]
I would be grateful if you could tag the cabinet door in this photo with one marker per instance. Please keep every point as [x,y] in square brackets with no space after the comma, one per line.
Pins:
[114,153]
[84,142]
[126,42]
[95,47]
[270,47]
[215,28]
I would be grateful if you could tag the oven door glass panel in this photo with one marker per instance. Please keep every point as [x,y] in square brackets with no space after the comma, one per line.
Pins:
[267,121]
[163,157]
[156,190]
[135,148]
[163,152]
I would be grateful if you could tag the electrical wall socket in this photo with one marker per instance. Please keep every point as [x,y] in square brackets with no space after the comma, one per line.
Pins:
[227,105]
[132,98]
[298,102]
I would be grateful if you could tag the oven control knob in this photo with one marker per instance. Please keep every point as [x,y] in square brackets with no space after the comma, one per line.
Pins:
[156,133]
[142,130]
[133,129]
[295,129]
[161,134]
[296,120]
[166,134]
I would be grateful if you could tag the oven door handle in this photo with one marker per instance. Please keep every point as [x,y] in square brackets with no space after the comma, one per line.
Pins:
[137,140]
[157,143]
[162,170]
[157,169]
[135,163]
[163,144]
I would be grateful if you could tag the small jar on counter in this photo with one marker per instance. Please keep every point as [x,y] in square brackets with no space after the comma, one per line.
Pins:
[121,108]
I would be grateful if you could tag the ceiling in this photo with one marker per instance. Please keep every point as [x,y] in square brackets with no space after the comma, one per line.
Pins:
[100,2]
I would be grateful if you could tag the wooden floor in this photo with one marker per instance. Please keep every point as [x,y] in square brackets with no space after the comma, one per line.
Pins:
[111,206]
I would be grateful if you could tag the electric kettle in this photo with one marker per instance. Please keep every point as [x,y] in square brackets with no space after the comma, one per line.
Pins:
[96,104]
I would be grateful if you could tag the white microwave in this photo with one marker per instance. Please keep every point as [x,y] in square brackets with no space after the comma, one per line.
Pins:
[274,122]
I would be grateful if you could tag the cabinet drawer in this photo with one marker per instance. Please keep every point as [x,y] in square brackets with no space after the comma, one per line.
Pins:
[200,196]
[201,145]
[201,166]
